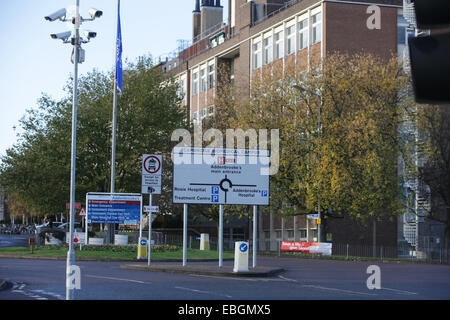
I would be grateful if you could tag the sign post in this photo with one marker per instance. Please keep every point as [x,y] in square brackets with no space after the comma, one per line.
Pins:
[218,176]
[114,208]
[151,184]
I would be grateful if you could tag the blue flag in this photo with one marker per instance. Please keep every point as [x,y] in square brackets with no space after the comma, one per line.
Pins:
[119,73]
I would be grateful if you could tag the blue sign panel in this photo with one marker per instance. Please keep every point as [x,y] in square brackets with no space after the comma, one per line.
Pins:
[114,209]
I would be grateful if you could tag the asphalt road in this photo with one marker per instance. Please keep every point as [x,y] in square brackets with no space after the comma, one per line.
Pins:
[304,279]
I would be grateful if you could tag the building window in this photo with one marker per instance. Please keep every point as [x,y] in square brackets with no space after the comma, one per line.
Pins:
[290,33]
[303,34]
[182,91]
[317,28]
[194,116]
[203,113]
[203,80]
[302,234]
[195,83]
[290,234]
[266,234]
[211,77]
[279,45]
[257,55]
[278,234]
[268,50]
[211,110]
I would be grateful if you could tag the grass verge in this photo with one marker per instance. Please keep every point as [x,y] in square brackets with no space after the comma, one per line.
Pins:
[110,252]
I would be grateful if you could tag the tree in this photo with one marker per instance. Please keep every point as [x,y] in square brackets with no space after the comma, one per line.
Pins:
[347,161]
[37,168]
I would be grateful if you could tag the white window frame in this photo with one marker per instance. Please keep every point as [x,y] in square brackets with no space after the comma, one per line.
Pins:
[195,82]
[316,29]
[211,75]
[203,77]
[268,48]
[303,32]
[290,38]
[257,53]
[279,44]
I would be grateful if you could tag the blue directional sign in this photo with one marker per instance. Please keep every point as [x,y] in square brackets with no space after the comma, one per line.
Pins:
[114,208]
[243,247]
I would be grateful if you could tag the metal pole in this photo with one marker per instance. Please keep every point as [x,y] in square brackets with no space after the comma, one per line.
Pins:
[150,231]
[70,292]
[113,149]
[319,227]
[255,240]
[221,235]
[185,216]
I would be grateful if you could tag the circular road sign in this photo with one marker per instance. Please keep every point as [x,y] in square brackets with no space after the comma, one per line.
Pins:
[143,242]
[152,164]
[243,247]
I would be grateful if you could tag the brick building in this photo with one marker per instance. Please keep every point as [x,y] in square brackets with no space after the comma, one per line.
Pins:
[292,36]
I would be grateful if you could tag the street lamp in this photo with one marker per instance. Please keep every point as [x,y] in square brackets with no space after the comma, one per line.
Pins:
[75,40]
[319,129]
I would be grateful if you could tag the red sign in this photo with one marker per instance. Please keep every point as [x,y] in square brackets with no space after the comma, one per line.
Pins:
[152,164]
[306,247]
[77,205]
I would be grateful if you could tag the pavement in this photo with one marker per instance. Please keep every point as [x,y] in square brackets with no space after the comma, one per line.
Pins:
[225,271]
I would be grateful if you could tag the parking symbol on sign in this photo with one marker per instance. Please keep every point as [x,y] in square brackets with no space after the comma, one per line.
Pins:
[215,190]
[264,193]
[215,199]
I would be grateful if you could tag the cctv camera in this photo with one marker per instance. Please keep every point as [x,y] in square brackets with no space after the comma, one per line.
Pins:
[94,13]
[89,34]
[64,36]
[60,14]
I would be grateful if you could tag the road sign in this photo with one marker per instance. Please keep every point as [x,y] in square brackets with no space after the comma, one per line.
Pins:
[78,237]
[313,216]
[82,213]
[243,247]
[77,205]
[151,174]
[114,208]
[319,221]
[143,242]
[221,176]
[151,209]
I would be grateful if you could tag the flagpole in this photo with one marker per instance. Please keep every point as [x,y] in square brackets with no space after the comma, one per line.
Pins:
[114,128]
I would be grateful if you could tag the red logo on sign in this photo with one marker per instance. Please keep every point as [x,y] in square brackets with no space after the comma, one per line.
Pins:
[75,240]
[152,164]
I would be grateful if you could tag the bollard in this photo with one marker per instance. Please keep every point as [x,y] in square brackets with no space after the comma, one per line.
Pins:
[347,251]
[31,242]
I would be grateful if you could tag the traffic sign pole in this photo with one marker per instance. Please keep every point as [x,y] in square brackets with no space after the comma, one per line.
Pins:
[221,236]
[185,216]
[150,231]
[255,240]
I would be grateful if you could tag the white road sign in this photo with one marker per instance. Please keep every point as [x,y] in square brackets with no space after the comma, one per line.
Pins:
[221,176]
[151,173]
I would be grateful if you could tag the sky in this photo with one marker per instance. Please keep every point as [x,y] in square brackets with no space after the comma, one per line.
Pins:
[31,63]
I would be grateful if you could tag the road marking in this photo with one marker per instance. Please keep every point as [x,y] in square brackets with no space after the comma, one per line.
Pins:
[400,291]
[205,292]
[118,279]
[231,278]
[338,290]
[287,279]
